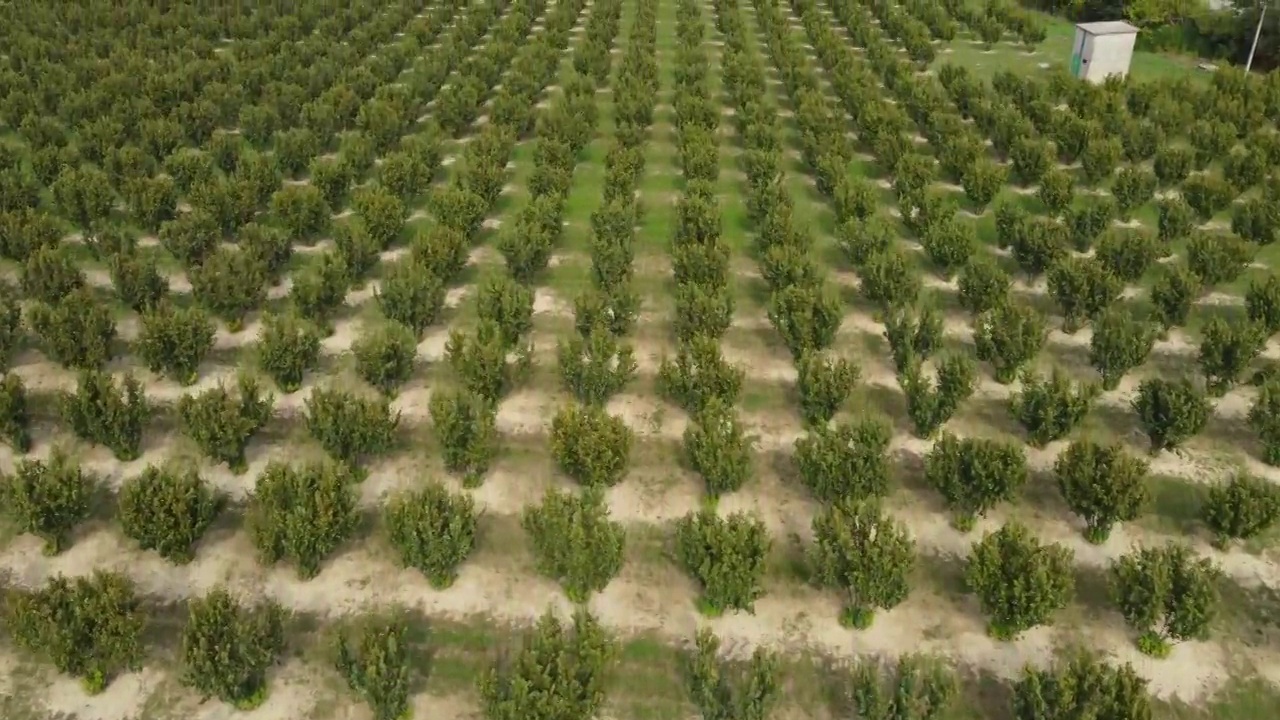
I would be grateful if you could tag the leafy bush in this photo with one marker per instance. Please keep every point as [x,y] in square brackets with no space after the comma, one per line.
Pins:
[350,427]
[930,405]
[862,240]
[824,384]
[89,627]
[717,448]
[1009,337]
[1101,484]
[889,280]
[411,294]
[1262,303]
[1057,190]
[556,672]
[918,687]
[806,316]
[1083,289]
[168,511]
[1174,220]
[77,332]
[10,323]
[865,554]
[1207,195]
[137,280]
[15,415]
[432,530]
[1128,252]
[1119,344]
[485,362]
[726,556]
[949,243]
[227,648]
[221,423]
[385,356]
[302,209]
[1165,594]
[1038,244]
[597,366]
[1173,293]
[175,340]
[1241,508]
[1081,687]
[1049,409]
[590,446]
[377,666]
[288,346]
[973,475]
[1226,349]
[48,498]
[849,460]
[321,288]
[465,427]
[231,283]
[1172,164]
[1264,419]
[1217,259]
[302,514]
[983,286]
[575,542]
[913,334]
[724,690]
[1088,219]
[105,414]
[50,274]
[698,373]
[1019,581]
[1100,158]
[507,304]
[1133,187]
[1171,411]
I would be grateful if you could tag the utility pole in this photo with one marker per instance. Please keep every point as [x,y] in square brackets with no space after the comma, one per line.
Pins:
[1256,34]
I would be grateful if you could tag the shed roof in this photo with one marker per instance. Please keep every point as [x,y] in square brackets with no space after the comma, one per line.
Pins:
[1108,27]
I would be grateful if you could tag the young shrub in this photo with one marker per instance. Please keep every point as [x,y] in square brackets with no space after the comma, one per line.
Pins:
[1119,344]
[849,460]
[1226,349]
[48,498]
[168,511]
[1174,291]
[596,366]
[949,243]
[485,362]
[617,308]
[1171,411]
[806,317]
[558,671]
[303,211]
[349,427]
[1133,187]
[1049,409]
[1082,288]
[862,240]
[726,556]
[377,666]
[1207,194]
[698,373]
[230,283]
[410,294]
[302,514]
[1128,252]
[974,475]
[509,305]
[227,648]
[1031,158]
[50,274]
[1217,259]
[137,281]
[442,250]
[175,340]
[590,446]
[10,323]
[465,427]
[1009,337]
[221,423]
[1101,484]
[1262,303]
[1019,581]
[913,334]
[918,687]
[718,449]
[1264,419]
[1080,687]
[1172,164]
[77,331]
[724,690]
[1057,189]
[385,356]
[1039,243]
[982,181]
[107,414]
[89,627]
[865,554]
[702,310]
[1174,220]
[983,286]
[288,347]
[1100,158]
[432,530]
[320,289]
[930,405]
[1166,594]
[575,542]
[1244,507]
[824,384]
[15,415]
[1088,219]
[890,280]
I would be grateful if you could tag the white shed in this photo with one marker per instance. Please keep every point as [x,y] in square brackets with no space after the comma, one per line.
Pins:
[1102,49]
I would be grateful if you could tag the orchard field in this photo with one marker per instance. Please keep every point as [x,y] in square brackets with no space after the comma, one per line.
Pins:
[733,359]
